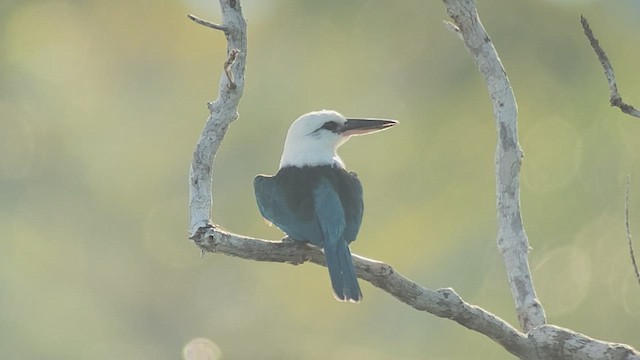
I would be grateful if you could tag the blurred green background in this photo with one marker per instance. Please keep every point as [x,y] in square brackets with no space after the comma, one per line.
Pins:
[101,103]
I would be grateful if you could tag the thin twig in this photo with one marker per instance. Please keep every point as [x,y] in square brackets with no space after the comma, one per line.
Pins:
[227,67]
[615,99]
[626,222]
[207,23]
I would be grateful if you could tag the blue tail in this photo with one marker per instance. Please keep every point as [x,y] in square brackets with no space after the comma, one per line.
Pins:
[342,273]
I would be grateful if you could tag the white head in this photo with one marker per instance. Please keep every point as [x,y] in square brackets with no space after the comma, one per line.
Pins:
[313,139]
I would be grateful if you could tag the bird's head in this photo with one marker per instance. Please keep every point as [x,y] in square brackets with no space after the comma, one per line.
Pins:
[313,139]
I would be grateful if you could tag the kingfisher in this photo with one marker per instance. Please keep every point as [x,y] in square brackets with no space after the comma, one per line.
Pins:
[313,198]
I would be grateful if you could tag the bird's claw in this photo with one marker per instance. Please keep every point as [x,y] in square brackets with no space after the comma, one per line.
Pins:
[287,240]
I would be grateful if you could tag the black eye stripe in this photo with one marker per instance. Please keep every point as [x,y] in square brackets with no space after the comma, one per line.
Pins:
[330,125]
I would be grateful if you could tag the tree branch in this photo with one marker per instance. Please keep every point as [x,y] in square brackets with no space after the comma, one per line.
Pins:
[615,98]
[542,343]
[206,23]
[512,240]
[222,112]
[444,303]
[626,223]
[553,342]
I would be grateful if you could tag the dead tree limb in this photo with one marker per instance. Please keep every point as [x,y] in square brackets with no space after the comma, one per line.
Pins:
[628,228]
[615,99]
[512,239]
[222,112]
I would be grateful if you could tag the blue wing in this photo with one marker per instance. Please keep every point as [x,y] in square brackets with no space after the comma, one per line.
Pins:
[329,212]
[320,205]
[353,204]
[291,213]
[332,218]
[287,200]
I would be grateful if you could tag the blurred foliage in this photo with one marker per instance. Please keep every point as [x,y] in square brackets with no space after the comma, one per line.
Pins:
[101,103]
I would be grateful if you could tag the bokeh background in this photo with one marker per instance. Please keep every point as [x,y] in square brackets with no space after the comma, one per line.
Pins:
[101,103]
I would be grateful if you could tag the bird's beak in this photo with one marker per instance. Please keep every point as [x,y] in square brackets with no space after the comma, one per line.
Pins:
[365,126]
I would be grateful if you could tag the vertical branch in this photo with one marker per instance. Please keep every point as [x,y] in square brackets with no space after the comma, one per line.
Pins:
[626,223]
[512,240]
[221,113]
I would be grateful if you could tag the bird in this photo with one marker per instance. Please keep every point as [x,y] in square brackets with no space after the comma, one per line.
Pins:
[313,198]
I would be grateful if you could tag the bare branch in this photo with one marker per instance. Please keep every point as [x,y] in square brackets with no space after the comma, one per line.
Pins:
[512,239]
[626,223]
[544,342]
[554,342]
[615,98]
[222,112]
[444,303]
[206,23]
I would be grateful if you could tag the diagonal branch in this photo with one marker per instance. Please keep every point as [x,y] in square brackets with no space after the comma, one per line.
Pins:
[207,23]
[443,303]
[512,240]
[615,98]
[543,342]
